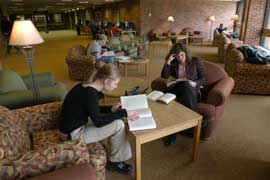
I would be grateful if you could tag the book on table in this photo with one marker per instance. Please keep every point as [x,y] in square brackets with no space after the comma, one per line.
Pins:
[124,58]
[162,97]
[138,103]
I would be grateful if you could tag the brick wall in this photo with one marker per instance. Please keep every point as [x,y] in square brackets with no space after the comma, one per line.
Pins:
[255,21]
[186,13]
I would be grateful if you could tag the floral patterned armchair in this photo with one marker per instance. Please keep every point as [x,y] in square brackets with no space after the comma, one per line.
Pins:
[30,144]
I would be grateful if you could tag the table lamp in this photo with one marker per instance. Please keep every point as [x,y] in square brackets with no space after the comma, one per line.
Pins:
[211,19]
[234,18]
[170,20]
[25,34]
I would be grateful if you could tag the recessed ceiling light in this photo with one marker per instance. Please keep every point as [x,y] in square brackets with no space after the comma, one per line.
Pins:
[66,0]
[83,2]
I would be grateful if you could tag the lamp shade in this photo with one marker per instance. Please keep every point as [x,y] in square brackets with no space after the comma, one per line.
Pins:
[24,33]
[171,19]
[234,17]
[212,18]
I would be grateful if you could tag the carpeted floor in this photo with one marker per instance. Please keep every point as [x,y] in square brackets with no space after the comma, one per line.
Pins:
[238,150]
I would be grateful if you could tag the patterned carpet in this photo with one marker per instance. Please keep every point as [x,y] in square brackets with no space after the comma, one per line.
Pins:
[238,150]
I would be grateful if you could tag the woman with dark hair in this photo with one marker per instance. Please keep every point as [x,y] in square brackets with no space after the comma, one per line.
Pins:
[190,78]
[83,118]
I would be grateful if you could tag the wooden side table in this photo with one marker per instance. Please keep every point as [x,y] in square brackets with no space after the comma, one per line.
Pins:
[160,47]
[125,84]
[134,63]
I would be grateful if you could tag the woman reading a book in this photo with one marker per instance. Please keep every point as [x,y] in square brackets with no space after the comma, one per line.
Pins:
[83,118]
[190,77]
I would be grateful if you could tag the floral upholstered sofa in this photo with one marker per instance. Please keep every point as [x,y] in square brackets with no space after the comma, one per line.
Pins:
[249,78]
[30,144]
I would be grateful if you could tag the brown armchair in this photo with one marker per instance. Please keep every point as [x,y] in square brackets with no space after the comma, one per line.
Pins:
[31,144]
[249,78]
[216,38]
[216,91]
[223,43]
[79,64]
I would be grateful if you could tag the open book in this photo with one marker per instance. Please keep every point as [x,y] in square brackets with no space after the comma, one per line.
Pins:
[139,103]
[172,80]
[160,96]
[108,53]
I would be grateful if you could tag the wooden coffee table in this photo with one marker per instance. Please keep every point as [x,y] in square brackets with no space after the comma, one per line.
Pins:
[125,65]
[170,119]
[126,83]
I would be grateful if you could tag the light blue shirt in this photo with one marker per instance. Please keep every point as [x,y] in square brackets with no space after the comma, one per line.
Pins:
[94,49]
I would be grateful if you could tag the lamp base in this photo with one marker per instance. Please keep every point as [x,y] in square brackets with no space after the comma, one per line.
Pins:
[29,54]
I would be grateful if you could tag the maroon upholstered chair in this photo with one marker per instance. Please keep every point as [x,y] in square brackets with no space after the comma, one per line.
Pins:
[216,91]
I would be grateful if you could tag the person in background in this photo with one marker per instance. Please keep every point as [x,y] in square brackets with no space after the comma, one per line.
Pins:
[95,49]
[190,76]
[221,28]
[6,27]
[78,27]
[83,118]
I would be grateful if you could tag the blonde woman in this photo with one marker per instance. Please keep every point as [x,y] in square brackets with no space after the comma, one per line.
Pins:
[83,118]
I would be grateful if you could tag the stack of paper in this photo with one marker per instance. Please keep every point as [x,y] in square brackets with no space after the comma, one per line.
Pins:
[124,59]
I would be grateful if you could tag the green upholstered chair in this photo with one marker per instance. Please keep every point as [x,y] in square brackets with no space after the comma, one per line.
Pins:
[129,46]
[16,90]
[126,45]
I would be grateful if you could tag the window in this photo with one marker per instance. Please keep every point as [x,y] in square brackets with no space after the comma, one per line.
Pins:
[266,31]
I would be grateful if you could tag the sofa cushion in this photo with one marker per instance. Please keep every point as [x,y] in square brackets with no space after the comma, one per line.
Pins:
[14,138]
[33,163]
[11,81]
[45,139]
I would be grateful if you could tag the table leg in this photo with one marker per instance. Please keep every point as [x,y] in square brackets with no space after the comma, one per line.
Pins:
[197,134]
[146,69]
[125,70]
[138,172]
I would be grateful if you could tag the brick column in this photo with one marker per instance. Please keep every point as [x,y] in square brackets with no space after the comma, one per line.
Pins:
[255,21]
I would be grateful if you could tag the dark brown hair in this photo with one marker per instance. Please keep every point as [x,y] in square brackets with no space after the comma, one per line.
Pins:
[177,48]
[103,72]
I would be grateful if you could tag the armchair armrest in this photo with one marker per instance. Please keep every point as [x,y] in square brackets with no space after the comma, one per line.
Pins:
[38,162]
[81,59]
[42,79]
[220,92]
[159,84]
[40,117]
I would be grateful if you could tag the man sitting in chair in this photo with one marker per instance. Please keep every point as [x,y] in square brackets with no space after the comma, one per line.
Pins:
[96,49]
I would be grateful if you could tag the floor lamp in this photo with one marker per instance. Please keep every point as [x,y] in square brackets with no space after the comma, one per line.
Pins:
[212,19]
[234,18]
[25,34]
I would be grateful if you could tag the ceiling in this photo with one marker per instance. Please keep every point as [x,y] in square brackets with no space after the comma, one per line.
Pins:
[14,6]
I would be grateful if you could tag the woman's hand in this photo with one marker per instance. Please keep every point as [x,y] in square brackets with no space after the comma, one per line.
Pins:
[192,83]
[116,107]
[133,115]
[169,60]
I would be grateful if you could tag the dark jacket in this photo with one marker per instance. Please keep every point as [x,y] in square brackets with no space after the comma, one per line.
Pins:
[194,71]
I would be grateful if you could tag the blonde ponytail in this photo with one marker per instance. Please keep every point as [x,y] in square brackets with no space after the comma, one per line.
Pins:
[103,71]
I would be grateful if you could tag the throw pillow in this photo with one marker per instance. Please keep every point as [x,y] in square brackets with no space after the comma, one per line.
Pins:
[14,138]
[11,81]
